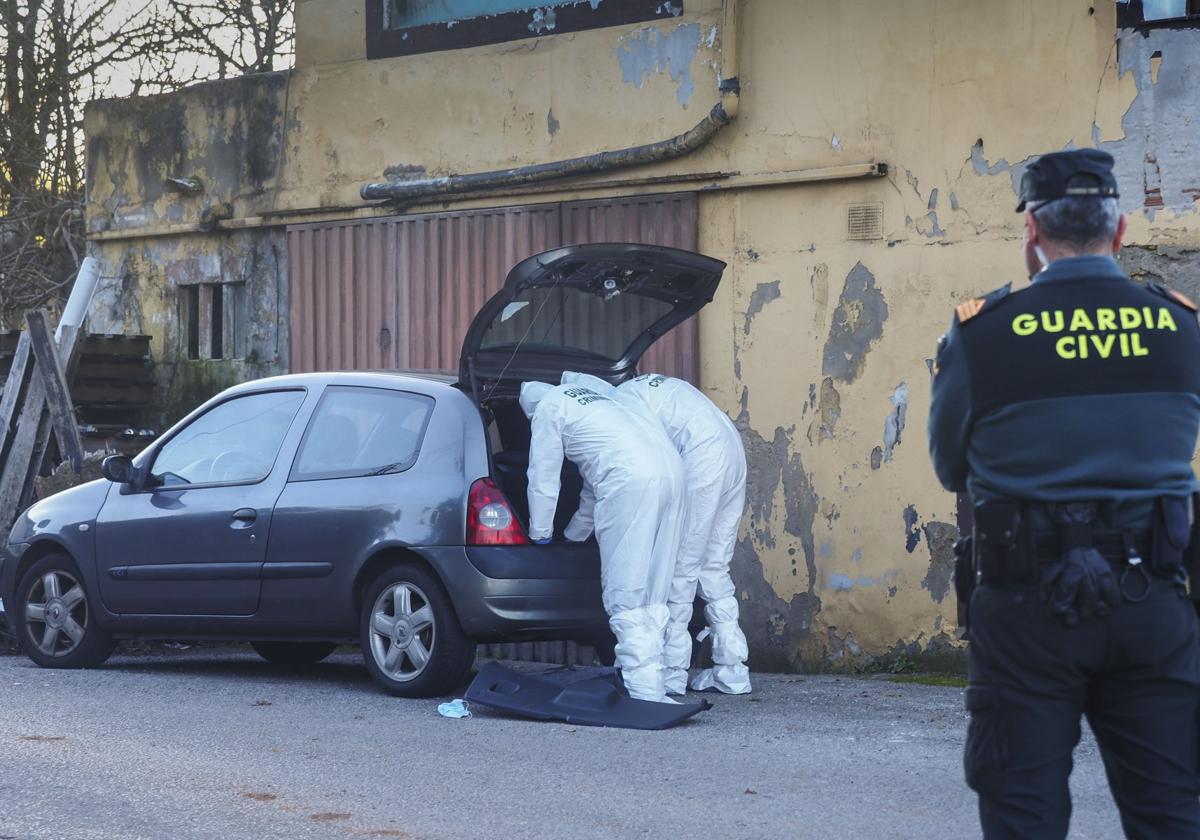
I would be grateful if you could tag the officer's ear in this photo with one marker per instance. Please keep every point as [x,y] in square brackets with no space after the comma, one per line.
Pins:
[1122,226]
[1031,228]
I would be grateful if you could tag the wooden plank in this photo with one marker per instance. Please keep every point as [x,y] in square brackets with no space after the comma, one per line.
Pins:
[15,472]
[54,383]
[14,385]
[205,320]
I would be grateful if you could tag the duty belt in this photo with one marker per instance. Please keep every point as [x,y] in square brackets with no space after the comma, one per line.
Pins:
[1120,548]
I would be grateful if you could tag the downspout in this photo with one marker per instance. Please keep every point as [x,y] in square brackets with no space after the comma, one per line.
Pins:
[408,192]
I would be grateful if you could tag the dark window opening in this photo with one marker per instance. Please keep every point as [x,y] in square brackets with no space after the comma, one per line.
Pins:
[213,316]
[407,27]
[216,348]
[192,302]
[1154,14]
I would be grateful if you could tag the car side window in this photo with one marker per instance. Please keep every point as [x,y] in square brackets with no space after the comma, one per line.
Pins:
[362,431]
[235,442]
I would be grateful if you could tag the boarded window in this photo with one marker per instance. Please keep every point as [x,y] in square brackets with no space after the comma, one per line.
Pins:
[400,292]
[213,317]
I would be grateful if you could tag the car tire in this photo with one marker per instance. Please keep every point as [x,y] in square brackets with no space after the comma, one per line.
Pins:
[423,654]
[54,619]
[293,653]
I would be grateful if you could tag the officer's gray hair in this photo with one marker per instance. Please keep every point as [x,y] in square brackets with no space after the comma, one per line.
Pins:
[1083,223]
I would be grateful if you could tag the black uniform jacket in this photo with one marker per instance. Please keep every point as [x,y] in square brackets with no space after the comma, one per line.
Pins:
[1083,386]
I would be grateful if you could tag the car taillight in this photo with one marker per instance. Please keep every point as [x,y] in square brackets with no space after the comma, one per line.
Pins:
[490,520]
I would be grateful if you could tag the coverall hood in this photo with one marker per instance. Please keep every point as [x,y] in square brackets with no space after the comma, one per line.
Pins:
[533,393]
[597,384]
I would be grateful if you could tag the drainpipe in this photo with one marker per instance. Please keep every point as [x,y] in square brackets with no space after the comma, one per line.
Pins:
[408,192]
[731,28]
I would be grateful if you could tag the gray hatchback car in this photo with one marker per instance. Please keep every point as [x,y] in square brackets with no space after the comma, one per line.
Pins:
[301,512]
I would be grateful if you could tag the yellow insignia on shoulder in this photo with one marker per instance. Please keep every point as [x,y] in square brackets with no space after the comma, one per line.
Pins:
[969,309]
[1182,298]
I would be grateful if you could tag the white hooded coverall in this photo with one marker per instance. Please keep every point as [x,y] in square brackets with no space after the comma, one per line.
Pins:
[634,494]
[715,464]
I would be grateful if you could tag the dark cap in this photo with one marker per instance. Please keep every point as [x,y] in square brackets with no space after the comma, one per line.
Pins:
[1079,172]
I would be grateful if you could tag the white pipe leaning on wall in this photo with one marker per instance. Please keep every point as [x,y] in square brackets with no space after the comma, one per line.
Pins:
[81,296]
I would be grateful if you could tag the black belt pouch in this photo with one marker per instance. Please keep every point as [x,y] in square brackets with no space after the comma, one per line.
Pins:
[1172,536]
[997,529]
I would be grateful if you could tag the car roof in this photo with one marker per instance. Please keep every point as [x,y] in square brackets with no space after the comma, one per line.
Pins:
[419,380]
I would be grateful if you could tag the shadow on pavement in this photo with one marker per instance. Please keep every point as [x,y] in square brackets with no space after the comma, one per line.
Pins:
[342,669]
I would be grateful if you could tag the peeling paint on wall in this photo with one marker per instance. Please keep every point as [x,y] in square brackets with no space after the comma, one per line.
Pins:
[912,536]
[831,409]
[763,294]
[648,51]
[1156,159]
[893,424]
[1175,268]
[940,537]
[777,629]
[857,325]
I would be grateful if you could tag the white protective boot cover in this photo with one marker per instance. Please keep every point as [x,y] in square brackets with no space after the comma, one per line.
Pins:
[729,673]
[639,651]
[677,646]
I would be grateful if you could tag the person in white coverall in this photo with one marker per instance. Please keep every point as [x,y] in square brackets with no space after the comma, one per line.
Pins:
[715,463]
[634,500]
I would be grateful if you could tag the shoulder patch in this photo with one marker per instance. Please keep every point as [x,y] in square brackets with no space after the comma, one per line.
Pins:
[1170,294]
[969,309]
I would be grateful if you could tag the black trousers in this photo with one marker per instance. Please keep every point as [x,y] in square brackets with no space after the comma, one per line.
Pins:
[1136,676]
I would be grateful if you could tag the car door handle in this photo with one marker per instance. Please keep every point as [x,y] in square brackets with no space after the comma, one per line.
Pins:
[244,518]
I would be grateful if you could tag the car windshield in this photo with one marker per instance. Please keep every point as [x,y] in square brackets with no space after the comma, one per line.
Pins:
[556,318]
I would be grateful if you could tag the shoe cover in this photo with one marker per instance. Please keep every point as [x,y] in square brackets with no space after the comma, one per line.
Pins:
[639,651]
[734,679]
[730,651]
[677,649]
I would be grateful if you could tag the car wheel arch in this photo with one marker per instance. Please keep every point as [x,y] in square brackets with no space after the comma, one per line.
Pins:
[36,551]
[383,560]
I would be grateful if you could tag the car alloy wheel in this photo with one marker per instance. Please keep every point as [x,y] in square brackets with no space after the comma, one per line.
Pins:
[56,614]
[403,631]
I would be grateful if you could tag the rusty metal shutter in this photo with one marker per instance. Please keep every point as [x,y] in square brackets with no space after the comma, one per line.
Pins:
[400,292]
[670,220]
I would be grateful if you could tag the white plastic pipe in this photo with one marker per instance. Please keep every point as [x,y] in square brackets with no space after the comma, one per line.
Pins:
[81,296]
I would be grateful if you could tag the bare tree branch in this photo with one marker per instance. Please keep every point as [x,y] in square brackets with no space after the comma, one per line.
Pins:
[56,55]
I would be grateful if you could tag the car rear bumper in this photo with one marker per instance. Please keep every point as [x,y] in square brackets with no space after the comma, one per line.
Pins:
[525,593]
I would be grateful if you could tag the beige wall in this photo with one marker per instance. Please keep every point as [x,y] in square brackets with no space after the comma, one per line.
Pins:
[818,345]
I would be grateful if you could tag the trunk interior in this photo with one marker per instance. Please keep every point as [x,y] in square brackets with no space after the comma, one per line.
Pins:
[509,434]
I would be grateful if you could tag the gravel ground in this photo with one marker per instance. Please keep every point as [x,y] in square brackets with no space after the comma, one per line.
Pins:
[218,744]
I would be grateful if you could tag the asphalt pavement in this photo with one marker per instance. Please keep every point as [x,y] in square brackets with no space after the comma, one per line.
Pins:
[218,744]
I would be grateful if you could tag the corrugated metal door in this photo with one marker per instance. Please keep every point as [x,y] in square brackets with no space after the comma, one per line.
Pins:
[669,220]
[400,292]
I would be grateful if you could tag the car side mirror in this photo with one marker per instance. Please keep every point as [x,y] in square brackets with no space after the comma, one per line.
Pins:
[118,469]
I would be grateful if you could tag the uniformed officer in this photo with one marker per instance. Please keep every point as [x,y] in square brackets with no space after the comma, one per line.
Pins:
[1069,410]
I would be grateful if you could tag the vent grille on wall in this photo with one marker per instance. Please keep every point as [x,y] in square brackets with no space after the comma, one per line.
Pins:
[864,221]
